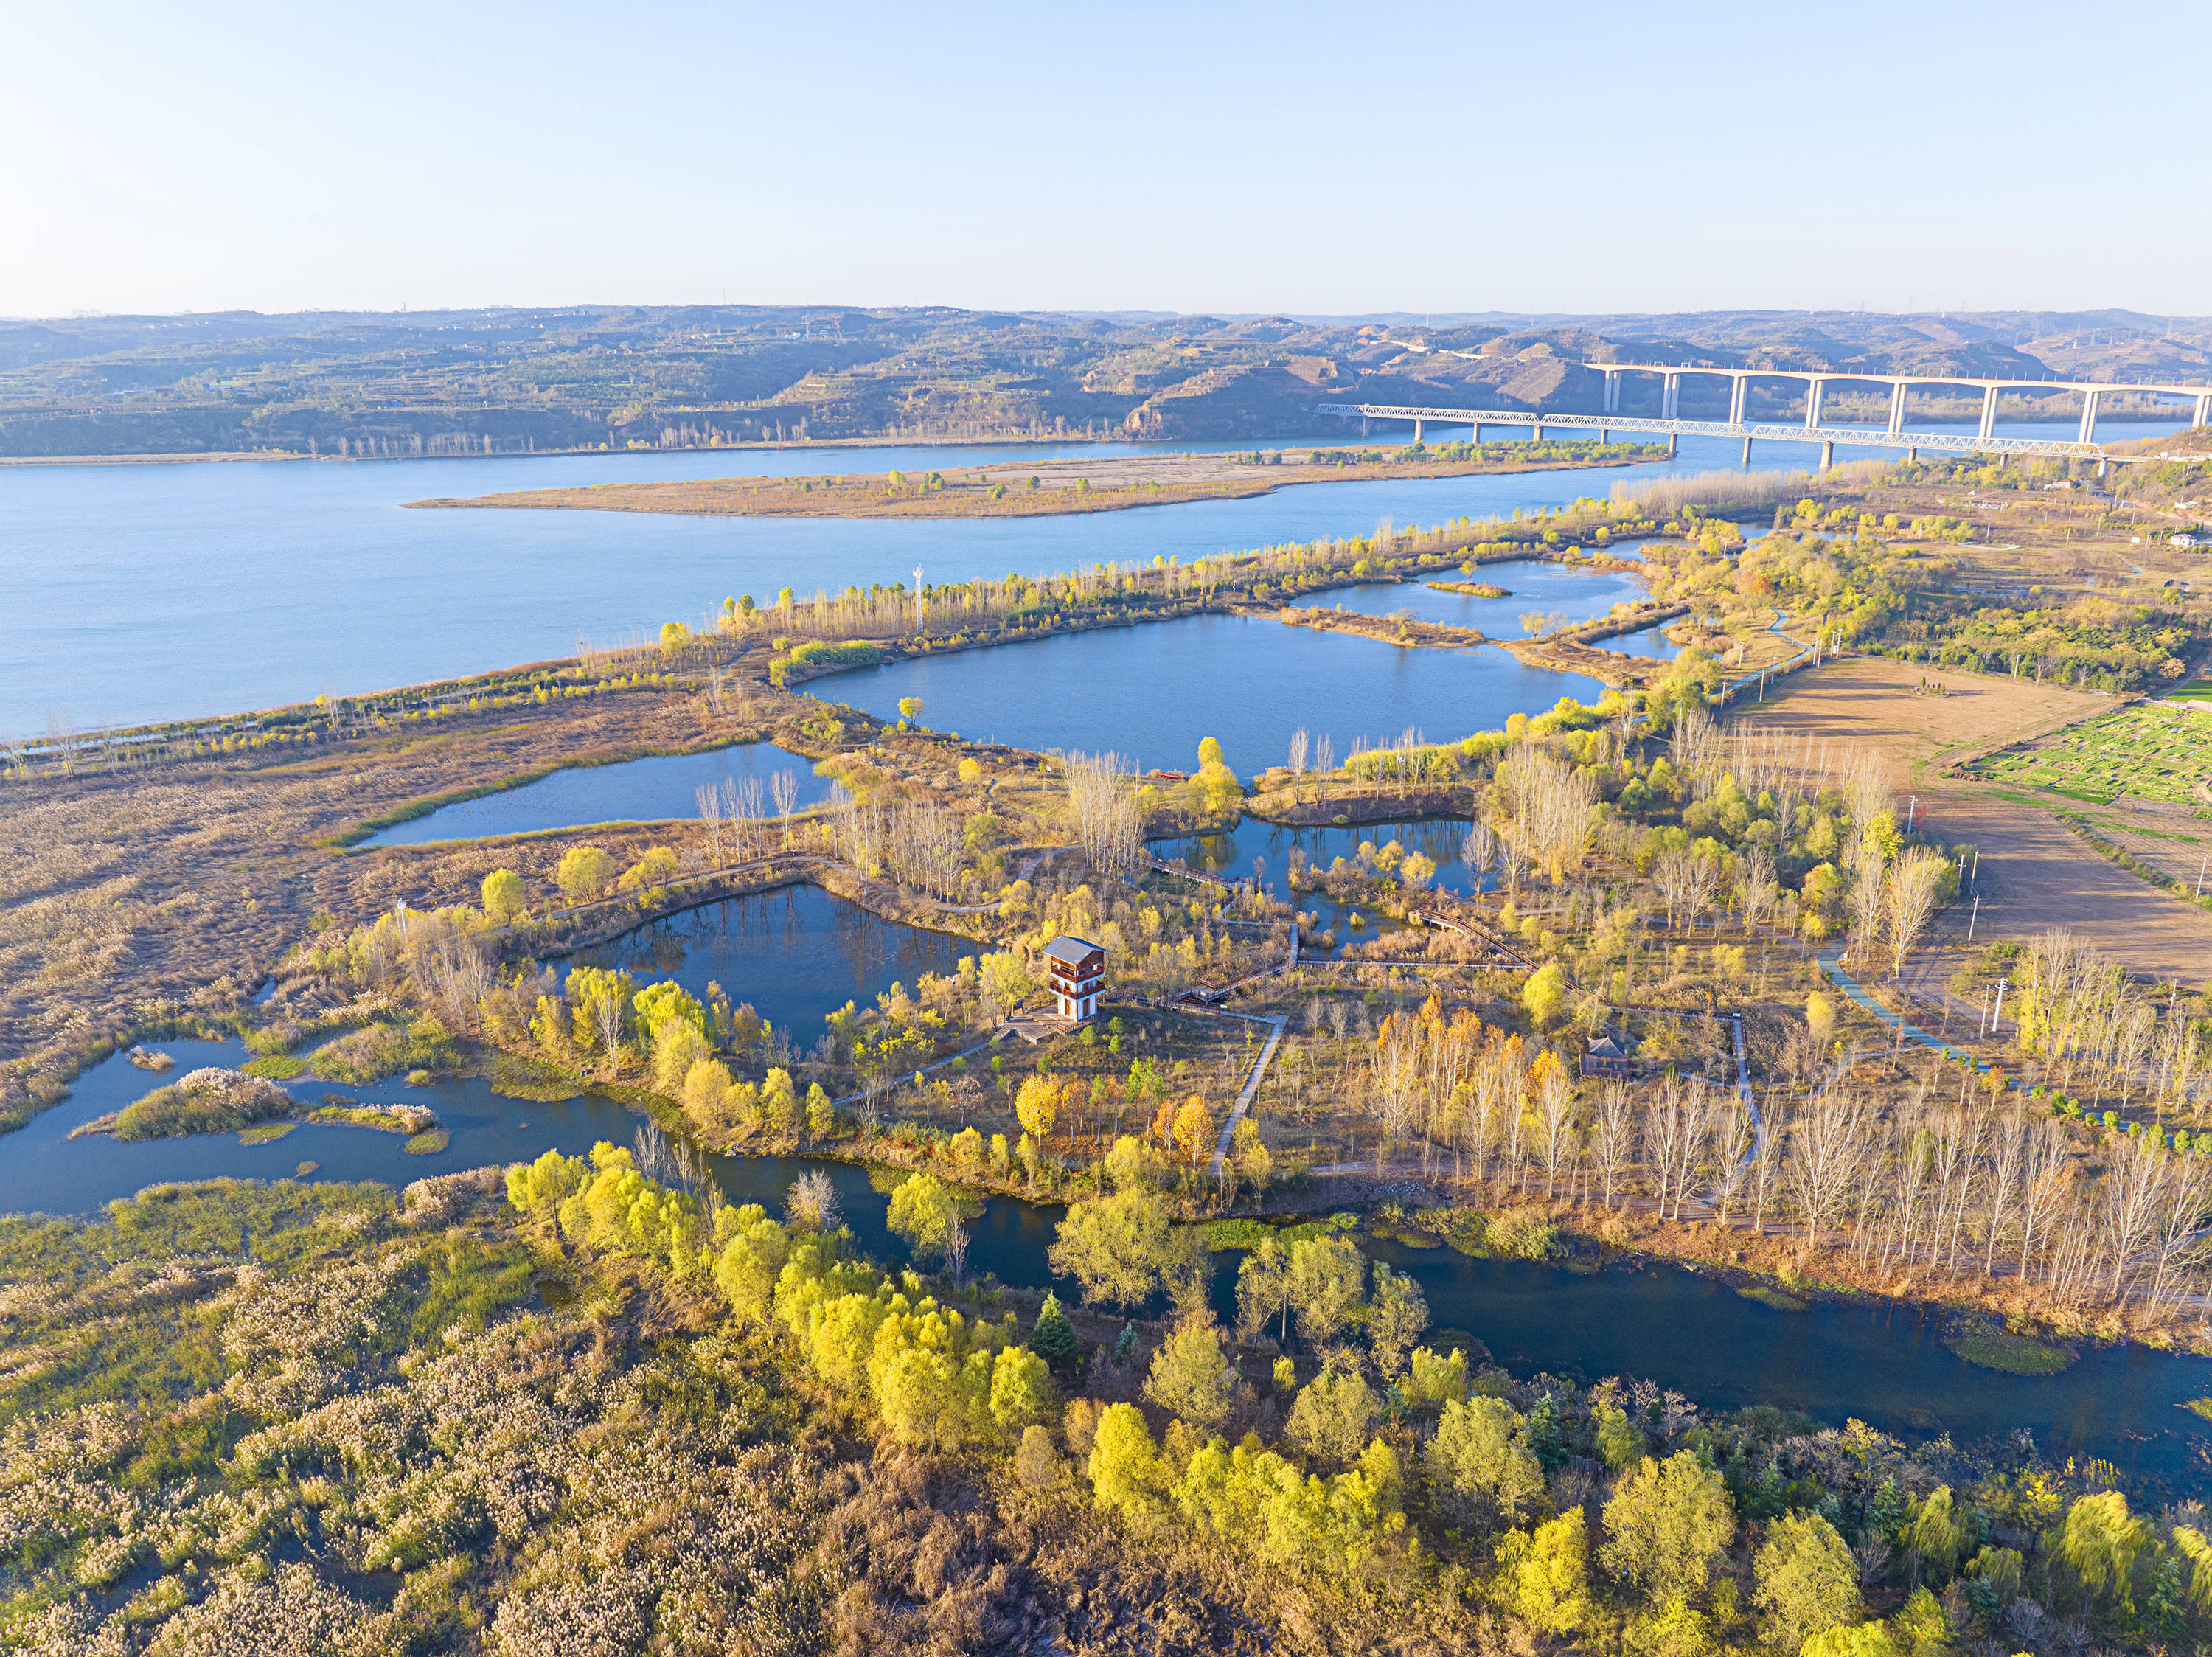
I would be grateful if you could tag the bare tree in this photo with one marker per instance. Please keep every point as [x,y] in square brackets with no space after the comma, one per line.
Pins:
[1913,884]
[783,787]
[1102,798]
[1613,1140]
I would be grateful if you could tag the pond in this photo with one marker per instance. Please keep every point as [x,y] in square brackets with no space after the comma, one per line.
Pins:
[627,791]
[1883,1364]
[1534,585]
[797,954]
[1151,692]
[1265,849]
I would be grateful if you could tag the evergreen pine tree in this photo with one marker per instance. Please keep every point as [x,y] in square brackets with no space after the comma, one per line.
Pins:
[1053,1338]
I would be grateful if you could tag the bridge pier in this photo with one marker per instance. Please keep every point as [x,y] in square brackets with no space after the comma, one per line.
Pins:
[2102,464]
[1418,427]
[2204,411]
[1897,407]
[1737,388]
[2004,461]
[1539,429]
[1814,390]
[1604,436]
[1989,413]
[1746,453]
[1670,396]
[1477,429]
[1827,455]
[1612,391]
[2088,418]
[1912,457]
[1672,438]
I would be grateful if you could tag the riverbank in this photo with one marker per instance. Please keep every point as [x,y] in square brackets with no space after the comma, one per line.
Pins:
[1042,489]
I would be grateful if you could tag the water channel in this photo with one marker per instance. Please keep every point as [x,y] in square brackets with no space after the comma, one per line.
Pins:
[1883,1364]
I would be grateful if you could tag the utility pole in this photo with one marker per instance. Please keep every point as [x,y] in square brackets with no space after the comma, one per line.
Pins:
[1999,1016]
[919,626]
[2201,862]
[1972,918]
[1909,811]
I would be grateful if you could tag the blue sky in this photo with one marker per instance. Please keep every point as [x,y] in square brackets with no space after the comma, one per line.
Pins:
[1315,159]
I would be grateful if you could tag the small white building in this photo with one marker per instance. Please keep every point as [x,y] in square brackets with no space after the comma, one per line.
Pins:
[1076,969]
[2189,537]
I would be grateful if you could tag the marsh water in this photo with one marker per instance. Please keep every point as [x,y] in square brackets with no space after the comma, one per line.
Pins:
[1151,693]
[797,954]
[628,791]
[250,585]
[1883,1364]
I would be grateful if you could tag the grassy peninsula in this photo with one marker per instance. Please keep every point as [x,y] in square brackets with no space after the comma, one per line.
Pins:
[1046,488]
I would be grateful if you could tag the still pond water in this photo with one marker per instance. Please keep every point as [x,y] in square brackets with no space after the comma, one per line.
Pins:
[628,791]
[1151,692]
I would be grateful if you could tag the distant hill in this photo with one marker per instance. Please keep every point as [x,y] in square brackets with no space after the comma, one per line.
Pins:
[507,381]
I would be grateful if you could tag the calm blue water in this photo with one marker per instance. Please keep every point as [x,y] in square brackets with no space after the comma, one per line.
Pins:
[148,592]
[1151,692]
[634,791]
[798,954]
[1534,585]
[1266,847]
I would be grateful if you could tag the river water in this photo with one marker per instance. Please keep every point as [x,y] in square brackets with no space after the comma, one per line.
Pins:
[1882,1364]
[141,592]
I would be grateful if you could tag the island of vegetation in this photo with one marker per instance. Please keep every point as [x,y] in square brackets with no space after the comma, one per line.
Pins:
[588,1403]
[1042,488]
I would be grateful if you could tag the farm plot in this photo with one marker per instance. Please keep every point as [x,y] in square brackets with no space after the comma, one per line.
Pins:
[2149,751]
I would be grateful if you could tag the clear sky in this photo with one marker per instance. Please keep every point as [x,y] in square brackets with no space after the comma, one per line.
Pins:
[1224,157]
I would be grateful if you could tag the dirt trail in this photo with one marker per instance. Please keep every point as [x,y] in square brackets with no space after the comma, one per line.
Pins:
[2034,872]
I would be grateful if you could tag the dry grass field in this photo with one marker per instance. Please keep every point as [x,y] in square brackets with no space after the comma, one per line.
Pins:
[1006,491]
[2035,873]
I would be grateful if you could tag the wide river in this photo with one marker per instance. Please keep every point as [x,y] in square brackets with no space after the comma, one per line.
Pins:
[141,592]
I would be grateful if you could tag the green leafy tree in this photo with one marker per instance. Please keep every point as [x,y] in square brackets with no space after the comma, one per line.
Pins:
[504,897]
[1396,1315]
[1666,1523]
[1544,1579]
[584,872]
[1920,1629]
[1804,1580]
[1125,1467]
[1122,1248]
[1480,1460]
[2100,1542]
[1263,1289]
[1855,1640]
[1325,1277]
[922,1211]
[1191,1377]
[1933,1534]
[1332,1417]
[1545,996]
[821,1113]
[1618,1440]
[1021,1389]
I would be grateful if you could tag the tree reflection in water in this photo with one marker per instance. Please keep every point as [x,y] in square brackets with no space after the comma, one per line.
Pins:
[797,954]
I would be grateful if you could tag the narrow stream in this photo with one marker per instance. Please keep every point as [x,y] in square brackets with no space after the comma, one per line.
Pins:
[1883,1364]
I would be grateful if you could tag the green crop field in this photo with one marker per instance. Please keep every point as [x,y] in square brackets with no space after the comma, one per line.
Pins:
[2150,751]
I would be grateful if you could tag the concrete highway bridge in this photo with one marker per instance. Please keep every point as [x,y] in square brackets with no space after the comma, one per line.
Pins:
[1896,435]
